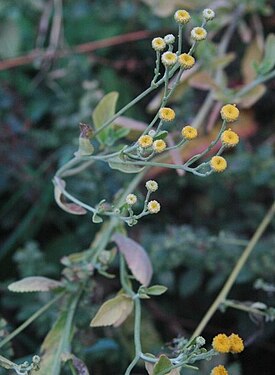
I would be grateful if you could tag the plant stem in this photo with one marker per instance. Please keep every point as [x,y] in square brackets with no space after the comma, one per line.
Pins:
[136,337]
[255,83]
[30,320]
[235,272]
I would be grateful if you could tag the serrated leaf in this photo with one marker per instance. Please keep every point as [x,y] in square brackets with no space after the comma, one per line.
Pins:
[103,112]
[156,290]
[136,258]
[71,208]
[113,312]
[118,164]
[52,348]
[34,284]
[268,61]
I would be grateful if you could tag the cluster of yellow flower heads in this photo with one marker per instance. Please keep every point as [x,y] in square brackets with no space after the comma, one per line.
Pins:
[228,344]
[153,206]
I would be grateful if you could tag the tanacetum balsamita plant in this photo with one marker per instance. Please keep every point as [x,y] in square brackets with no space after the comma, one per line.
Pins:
[99,143]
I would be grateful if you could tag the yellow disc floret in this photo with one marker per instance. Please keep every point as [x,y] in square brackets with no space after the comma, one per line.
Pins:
[169,59]
[159,145]
[186,61]
[221,342]
[229,138]
[167,114]
[218,163]
[236,343]
[158,44]
[153,207]
[219,370]
[189,133]
[230,113]
[145,141]
[198,33]
[182,16]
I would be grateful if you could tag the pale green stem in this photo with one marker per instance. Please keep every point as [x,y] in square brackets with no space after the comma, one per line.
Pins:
[242,307]
[235,272]
[123,277]
[36,315]
[180,39]
[255,83]
[136,336]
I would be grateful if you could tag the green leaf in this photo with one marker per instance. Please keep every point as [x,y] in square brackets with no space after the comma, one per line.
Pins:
[156,290]
[103,112]
[268,61]
[163,364]
[52,347]
[71,208]
[136,258]
[34,284]
[161,135]
[118,164]
[113,312]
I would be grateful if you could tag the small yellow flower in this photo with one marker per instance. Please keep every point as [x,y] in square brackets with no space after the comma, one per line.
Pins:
[221,342]
[131,199]
[188,132]
[219,370]
[158,44]
[169,59]
[198,33]
[159,145]
[151,186]
[182,16]
[229,138]
[145,141]
[230,112]
[218,163]
[153,207]
[167,114]
[208,14]
[236,343]
[186,61]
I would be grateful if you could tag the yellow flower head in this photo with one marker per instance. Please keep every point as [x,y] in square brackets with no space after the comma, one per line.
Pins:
[218,163]
[186,61]
[198,33]
[131,199]
[219,370]
[153,207]
[159,145]
[145,141]
[221,342]
[182,16]
[158,44]
[229,138]
[236,343]
[151,186]
[169,59]
[167,114]
[189,133]
[230,112]
[208,14]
